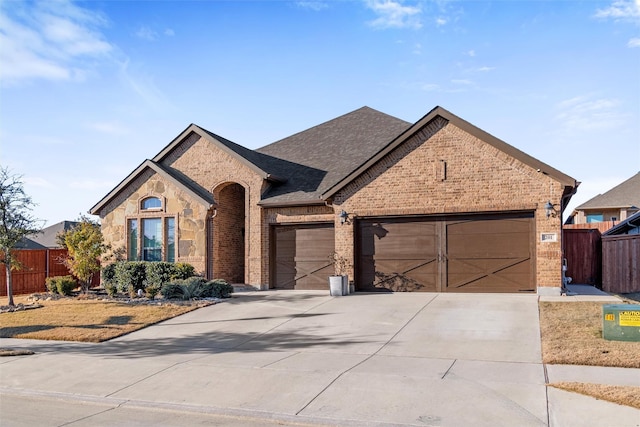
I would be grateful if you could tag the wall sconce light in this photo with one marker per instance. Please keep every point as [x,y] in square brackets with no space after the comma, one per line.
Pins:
[550,210]
[344,216]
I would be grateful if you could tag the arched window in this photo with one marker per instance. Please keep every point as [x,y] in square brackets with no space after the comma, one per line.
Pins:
[151,203]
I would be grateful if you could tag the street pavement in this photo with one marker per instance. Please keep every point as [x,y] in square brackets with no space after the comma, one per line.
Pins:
[306,358]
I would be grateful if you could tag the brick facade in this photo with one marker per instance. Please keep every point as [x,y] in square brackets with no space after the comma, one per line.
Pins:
[444,170]
[440,169]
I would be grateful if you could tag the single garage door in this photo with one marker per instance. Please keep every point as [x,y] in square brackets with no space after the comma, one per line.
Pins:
[301,255]
[476,253]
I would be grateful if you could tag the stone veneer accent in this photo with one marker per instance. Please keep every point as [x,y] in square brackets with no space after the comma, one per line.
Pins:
[189,213]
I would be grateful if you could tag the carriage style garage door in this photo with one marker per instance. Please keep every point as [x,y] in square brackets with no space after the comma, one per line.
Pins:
[475,253]
[301,254]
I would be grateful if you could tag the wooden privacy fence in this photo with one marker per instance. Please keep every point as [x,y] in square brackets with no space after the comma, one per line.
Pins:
[621,263]
[38,264]
[583,252]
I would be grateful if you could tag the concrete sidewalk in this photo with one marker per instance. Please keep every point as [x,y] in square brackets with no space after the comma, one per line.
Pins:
[305,357]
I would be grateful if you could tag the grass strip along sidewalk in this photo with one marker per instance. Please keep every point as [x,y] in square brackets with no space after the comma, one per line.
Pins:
[571,334]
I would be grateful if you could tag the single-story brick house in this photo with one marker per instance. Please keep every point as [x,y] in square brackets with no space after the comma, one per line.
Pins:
[438,205]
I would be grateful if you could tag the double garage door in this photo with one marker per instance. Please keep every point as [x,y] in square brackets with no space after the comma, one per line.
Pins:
[478,253]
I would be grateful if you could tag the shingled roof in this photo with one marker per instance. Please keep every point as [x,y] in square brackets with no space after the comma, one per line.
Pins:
[311,166]
[317,158]
[624,195]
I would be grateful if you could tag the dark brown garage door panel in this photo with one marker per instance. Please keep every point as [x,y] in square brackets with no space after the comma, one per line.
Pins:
[302,256]
[490,253]
[397,256]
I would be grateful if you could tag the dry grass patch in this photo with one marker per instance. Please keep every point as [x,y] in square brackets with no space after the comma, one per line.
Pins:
[622,395]
[572,335]
[87,320]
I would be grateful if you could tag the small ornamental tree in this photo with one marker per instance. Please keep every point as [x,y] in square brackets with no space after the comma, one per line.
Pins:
[16,222]
[85,246]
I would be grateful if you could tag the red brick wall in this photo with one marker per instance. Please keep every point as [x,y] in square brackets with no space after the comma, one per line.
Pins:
[229,234]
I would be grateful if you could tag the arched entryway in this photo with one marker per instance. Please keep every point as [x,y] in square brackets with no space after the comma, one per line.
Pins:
[228,234]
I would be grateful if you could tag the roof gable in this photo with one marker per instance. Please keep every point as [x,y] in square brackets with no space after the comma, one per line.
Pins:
[623,195]
[190,188]
[465,126]
[256,162]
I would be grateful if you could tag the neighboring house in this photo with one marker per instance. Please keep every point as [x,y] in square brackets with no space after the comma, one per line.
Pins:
[630,226]
[438,205]
[614,206]
[46,238]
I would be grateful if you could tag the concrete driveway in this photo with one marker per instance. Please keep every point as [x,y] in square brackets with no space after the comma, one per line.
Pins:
[305,357]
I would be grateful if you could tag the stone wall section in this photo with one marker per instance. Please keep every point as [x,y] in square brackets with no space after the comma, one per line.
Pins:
[445,170]
[189,214]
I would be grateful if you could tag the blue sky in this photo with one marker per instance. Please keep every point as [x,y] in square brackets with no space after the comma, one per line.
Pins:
[88,90]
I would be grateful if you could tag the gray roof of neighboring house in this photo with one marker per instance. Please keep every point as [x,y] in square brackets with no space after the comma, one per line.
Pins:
[46,238]
[631,223]
[26,243]
[624,195]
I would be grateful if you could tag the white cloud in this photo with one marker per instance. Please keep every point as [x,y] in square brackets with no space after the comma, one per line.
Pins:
[471,53]
[634,42]
[440,21]
[312,5]
[463,82]
[485,69]
[144,86]
[430,87]
[49,40]
[146,33]
[621,10]
[393,14]
[586,113]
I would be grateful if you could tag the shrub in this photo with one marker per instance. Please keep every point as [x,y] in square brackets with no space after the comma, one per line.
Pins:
[130,276]
[183,271]
[184,289]
[196,287]
[159,273]
[52,284]
[219,288]
[108,273]
[151,291]
[62,285]
[111,288]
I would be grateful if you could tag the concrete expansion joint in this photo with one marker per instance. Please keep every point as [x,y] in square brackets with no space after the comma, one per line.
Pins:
[449,369]
[145,378]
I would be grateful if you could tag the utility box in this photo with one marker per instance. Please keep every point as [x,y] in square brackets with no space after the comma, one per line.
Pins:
[621,322]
